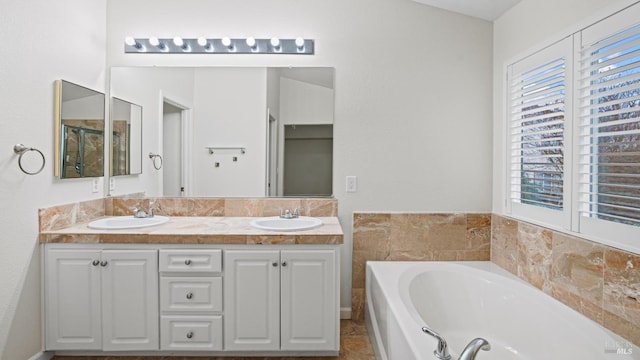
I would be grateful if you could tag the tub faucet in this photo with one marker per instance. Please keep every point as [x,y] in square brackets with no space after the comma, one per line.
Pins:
[471,350]
[469,353]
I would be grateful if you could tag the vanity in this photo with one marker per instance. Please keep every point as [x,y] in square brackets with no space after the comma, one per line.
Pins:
[195,285]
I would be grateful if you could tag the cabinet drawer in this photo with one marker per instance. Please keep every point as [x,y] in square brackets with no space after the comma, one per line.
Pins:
[191,333]
[194,260]
[201,294]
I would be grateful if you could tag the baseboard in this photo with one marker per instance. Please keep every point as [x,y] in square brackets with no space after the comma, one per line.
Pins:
[41,356]
[345,313]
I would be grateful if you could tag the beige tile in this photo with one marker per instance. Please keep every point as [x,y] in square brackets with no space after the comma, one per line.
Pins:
[534,255]
[576,302]
[273,206]
[320,207]
[57,217]
[478,231]
[447,232]
[504,243]
[578,267]
[208,207]
[89,210]
[371,231]
[622,285]
[408,237]
[357,304]
[622,327]
[243,207]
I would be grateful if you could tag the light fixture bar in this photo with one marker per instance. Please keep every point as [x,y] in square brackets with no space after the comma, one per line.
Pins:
[201,45]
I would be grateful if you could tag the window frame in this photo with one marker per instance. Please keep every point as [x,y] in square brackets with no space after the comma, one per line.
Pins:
[617,235]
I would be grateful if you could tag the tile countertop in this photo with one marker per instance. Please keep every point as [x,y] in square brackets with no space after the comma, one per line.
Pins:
[199,230]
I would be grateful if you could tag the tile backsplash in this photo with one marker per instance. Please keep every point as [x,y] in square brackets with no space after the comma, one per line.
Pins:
[57,217]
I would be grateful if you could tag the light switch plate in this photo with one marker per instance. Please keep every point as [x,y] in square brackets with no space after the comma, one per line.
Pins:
[352,184]
[112,184]
[95,185]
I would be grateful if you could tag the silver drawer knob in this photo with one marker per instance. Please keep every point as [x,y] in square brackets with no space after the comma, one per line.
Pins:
[95,262]
[187,262]
[274,264]
[189,296]
[284,263]
[189,334]
[104,263]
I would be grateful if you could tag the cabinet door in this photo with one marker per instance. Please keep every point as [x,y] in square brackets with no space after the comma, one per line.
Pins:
[130,300]
[72,300]
[251,300]
[310,317]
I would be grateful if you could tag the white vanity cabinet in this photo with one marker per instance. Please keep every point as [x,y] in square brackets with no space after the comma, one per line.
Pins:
[281,300]
[191,299]
[101,299]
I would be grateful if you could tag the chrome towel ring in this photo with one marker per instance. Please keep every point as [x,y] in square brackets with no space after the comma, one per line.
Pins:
[153,158]
[20,149]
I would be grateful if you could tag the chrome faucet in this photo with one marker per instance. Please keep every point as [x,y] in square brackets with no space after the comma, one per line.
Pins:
[139,213]
[471,350]
[469,353]
[288,214]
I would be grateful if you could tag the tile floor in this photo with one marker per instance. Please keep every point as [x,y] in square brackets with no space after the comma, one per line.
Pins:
[354,345]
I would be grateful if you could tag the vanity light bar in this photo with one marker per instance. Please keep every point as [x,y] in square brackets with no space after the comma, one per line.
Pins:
[177,45]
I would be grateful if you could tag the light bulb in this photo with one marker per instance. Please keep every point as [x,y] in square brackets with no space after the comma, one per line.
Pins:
[300,43]
[153,41]
[275,42]
[202,41]
[251,42]
[227,42]
[130,41]
[177,41]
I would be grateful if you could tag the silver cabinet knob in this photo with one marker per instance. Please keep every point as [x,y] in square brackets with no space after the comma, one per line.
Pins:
[274,264]
[189,296]
[189,334]
[187,262]
[284,263]
[104,263]
[95,262]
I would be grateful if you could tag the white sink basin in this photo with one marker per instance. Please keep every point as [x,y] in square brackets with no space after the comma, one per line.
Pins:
[276,223]
[127,222]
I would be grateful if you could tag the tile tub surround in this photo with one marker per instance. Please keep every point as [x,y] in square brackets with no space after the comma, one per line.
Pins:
[414,237]
[598,281]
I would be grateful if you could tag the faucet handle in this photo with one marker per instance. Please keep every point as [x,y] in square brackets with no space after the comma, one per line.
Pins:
[139,213]
[296,213]
[442,350]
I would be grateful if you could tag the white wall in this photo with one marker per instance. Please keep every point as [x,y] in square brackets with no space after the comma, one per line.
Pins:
[230,111]
[86,108]
[42,41]
[518,33]
[148,87]
[413,90]
[304,103]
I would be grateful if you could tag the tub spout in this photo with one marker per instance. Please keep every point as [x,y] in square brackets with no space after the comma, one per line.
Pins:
[441,351]
[471,350]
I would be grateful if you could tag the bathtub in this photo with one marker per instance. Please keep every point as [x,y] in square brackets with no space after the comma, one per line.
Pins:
[465,300]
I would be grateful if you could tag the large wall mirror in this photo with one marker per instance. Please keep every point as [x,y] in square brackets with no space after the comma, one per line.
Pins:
[126,138]
[234,131]
[79,135]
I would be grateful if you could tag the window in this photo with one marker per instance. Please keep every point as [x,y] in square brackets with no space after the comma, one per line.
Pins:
[540,104]
[597,192]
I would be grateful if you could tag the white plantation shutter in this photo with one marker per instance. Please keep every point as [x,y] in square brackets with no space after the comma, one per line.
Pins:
[609,128]
[539,106]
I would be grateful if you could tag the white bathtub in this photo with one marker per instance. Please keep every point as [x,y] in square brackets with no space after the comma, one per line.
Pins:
[465,300]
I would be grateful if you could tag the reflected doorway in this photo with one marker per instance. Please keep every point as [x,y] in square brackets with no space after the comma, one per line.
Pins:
[173,147]
[308,164]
